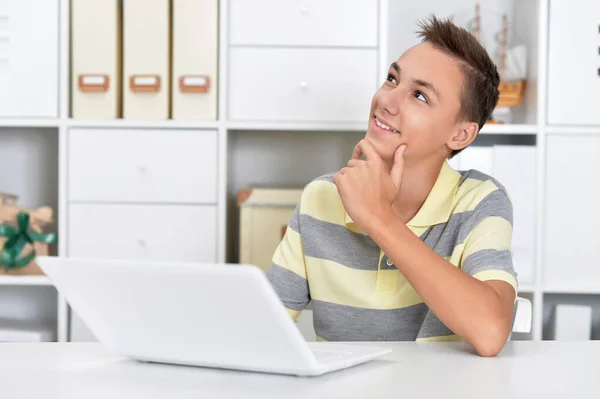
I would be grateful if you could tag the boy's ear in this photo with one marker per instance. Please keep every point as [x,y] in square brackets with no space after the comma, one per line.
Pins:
[464,136]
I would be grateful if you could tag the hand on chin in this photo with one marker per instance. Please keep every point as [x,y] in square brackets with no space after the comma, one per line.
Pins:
[384,148]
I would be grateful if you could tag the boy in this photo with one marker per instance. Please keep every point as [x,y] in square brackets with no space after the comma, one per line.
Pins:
[399,246]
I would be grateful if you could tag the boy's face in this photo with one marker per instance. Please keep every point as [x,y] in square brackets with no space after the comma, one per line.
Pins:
[419,101]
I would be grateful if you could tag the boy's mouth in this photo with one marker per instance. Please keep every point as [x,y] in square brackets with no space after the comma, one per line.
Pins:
[382,127]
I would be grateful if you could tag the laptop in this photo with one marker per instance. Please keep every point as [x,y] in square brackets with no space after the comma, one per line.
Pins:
[224,316]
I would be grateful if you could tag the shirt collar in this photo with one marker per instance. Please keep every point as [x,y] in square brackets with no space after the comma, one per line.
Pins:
[437,208]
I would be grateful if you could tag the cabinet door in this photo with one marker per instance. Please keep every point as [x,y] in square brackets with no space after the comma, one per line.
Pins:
[28,58]
[307,84]
[345,23]
[185,233]
[154,232]
[572,242]
[574,62]
[158,166]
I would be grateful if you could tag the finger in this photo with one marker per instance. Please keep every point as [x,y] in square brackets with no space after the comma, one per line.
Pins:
[345,170]
[357,153]
[336,178]
[355,162]
[398,168]
[365,147]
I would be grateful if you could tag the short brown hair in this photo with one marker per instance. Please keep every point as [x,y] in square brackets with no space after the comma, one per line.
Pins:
[480,92]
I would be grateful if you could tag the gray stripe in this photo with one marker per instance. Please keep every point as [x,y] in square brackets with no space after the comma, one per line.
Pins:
[496,204]
[336,243]
[433,327]
[477,175]
[442,238]
[290,287]
[294,222]
[346,323]
[488,259]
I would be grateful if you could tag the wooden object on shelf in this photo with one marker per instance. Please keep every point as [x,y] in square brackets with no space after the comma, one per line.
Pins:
[511,93]
[38,219]
[264,216]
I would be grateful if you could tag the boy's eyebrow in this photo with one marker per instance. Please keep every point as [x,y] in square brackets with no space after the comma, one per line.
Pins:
[418,82]
[427,85]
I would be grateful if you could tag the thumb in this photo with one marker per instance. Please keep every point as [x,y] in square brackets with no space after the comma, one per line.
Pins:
[398,168]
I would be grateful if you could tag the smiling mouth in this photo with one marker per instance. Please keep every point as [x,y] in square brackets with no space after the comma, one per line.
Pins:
[384,126]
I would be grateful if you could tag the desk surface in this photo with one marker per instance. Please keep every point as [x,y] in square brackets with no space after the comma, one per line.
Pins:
[413,370]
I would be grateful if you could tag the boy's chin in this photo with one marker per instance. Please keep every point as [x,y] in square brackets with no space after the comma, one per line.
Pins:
[384,148]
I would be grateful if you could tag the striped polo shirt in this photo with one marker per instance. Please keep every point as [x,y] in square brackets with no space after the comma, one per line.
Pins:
[356,292]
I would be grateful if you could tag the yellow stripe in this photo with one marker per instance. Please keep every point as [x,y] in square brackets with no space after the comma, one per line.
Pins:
[294,314]
[448,338]
[338,284]
[492,233]
[321,200]
[289,253]
[471,193]
[501,275]
[457,255]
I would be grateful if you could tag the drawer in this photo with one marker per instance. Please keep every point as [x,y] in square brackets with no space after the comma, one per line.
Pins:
[574,63]
[29,58]
[184,233]
[571,250]
[304,23]
[324,85]
[142,166]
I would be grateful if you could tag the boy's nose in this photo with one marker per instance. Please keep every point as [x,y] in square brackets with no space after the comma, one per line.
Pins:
[390,102]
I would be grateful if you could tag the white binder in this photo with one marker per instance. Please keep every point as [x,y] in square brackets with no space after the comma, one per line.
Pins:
[195,38]
[96,63]
[514,167]
[478,158]
[572,323]
[146,26]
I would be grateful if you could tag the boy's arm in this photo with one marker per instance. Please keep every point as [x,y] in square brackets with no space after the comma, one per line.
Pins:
[478,311]
[287,273]
[476,303]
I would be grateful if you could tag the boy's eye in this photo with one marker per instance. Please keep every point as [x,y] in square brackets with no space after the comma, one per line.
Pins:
[420,96]
[391,78]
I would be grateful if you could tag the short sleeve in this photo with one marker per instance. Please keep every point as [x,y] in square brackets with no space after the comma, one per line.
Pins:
[287,273]
[487,252]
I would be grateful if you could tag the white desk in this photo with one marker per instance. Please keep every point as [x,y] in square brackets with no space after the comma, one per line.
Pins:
[426,370]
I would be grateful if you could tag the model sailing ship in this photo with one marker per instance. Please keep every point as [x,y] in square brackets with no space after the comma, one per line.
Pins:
[511,65]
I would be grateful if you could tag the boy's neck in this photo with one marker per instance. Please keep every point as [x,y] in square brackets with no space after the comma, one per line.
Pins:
[417,181]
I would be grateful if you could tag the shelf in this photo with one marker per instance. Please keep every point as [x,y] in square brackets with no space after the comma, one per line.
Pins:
[509,129]
[29,122]
[582,290]
[526,289]
[141,124]
[24,280]
[298,126]
[573,130]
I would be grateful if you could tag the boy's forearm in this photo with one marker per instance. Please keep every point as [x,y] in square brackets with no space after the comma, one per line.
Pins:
[474,310]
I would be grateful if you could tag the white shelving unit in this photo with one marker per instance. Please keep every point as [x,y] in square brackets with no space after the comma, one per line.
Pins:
[394,22]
